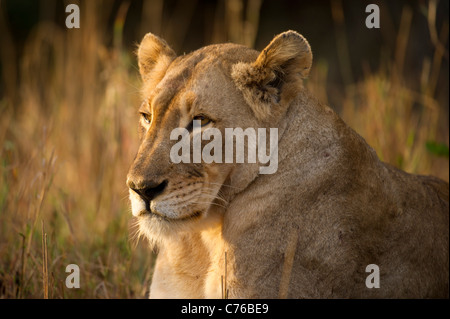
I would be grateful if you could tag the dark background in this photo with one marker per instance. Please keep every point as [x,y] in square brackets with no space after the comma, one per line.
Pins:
[188,25]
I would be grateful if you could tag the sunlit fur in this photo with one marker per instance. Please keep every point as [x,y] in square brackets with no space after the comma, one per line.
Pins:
[308,231]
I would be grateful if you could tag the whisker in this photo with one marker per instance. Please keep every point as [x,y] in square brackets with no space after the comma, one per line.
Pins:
[135,233]
[210,203]
[215,197]
[218,195]
[193,193]
[238,188]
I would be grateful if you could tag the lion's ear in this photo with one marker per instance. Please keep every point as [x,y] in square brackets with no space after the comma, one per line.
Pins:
[276,75]
[154,57]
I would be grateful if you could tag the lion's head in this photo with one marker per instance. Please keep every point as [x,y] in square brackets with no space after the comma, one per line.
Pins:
[221,86]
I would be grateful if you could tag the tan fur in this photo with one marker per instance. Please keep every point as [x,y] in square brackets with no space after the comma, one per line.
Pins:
[307,231]
[154,55]
[286,60]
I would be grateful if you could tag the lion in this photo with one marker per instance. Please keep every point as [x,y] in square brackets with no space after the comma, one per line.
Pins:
[310,230]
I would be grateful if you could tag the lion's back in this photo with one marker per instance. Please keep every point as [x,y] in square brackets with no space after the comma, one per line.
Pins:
[421,227]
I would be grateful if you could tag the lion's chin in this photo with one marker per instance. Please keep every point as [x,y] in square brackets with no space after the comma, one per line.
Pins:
[156,228]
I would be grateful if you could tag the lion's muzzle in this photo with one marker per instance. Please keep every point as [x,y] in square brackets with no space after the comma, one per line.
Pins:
[147,190]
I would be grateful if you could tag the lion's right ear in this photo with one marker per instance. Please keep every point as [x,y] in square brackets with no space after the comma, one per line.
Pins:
[154,57]
[275,78]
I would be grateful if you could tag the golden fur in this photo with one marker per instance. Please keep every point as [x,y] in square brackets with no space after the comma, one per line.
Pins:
[307,231]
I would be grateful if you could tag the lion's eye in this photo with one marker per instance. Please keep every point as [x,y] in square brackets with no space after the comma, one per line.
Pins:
[203,120]
[146,117]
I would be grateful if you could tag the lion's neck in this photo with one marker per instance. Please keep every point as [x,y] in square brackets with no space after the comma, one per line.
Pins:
[188,264]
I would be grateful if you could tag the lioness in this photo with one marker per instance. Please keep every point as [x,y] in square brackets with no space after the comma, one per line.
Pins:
[307,231]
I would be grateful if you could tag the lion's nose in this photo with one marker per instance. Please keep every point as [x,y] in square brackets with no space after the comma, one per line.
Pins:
[147,190]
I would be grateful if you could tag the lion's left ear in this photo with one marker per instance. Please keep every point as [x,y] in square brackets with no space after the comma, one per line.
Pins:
[154,57]
[276,75]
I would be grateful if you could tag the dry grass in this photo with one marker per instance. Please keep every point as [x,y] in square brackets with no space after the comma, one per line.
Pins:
[65,152]
[407,128]
[68,135]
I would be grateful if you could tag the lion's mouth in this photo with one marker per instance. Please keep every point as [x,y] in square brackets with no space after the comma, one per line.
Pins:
[148,213]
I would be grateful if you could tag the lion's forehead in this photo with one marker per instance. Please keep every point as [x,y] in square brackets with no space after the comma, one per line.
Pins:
[172,88]
[187,85]
[184,73]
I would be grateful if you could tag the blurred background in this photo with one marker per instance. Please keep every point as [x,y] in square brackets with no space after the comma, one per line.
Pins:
[68,115]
